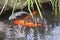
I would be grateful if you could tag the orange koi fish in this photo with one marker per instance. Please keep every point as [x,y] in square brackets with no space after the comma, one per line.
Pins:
[27,23]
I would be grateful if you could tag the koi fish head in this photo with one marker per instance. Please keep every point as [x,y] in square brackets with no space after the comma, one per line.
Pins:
[14,16]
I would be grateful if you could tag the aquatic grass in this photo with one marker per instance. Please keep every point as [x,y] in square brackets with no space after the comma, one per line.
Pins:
[29,2]
[21,7]
[55,4]
[6,2]
[57,7]
[14,7]
[39,2]
[39,10]
[32,4]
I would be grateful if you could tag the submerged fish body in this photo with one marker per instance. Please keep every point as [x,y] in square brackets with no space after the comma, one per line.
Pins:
[26,23]
[17,14]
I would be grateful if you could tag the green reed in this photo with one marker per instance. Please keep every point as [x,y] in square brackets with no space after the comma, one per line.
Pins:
[55,4]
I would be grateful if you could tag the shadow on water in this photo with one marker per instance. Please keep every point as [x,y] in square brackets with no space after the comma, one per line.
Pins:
[18,32]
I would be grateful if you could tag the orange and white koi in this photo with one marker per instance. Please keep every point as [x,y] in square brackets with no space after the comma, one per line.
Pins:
[27,23]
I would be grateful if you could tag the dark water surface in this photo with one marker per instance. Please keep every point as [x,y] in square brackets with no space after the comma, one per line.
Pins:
[49,31]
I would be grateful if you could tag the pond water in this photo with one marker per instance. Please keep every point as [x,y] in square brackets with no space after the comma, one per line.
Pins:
[49,30]
[9,31]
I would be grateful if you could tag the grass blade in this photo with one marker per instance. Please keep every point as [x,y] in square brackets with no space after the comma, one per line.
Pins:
[6,1]
[39,10]
[29,2]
